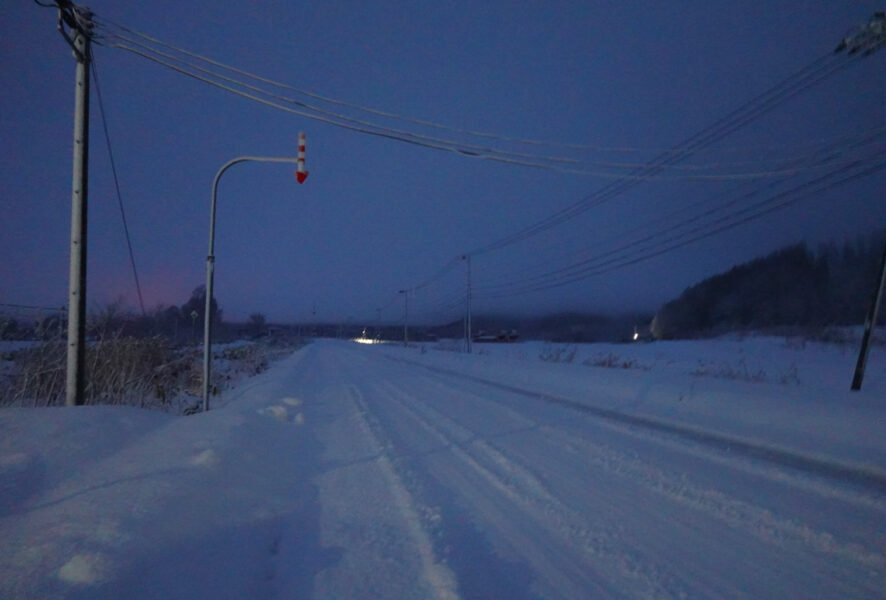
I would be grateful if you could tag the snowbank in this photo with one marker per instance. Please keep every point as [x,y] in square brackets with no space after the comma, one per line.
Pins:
[92,498]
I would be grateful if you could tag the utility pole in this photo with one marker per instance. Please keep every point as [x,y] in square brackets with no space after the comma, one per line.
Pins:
[405,317]
[870,325]
[467,258]
[79,21]
[866,40]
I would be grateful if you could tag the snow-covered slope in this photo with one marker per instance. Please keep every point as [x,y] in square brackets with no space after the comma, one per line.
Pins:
[348,471]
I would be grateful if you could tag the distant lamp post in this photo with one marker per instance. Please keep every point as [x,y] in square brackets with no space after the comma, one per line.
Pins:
[405,316]
[210,258]
[194,316]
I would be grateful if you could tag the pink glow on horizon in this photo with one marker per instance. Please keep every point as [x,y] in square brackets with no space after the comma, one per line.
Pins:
[160,286]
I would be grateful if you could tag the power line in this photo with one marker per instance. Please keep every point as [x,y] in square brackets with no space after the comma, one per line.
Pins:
[776,95]
[650,246]
[598,266]
[542,280]
[33,307]
[874,37]
[101,107]
[692,172]
[368,110]
[330,121]
[482,153]
[709,206]
[761,104]
[444,270]
[595,266]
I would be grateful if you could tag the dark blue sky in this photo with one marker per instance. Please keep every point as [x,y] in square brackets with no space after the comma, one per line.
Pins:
[377,215]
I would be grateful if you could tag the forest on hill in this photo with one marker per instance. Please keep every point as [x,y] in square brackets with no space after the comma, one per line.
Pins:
[793,286]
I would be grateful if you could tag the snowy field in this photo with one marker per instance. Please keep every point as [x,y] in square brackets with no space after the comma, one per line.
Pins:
[733,468]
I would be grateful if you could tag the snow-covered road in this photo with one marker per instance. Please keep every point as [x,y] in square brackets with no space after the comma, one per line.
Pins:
[524,498]
[379,472]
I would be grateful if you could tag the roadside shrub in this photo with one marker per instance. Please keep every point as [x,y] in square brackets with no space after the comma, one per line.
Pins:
[143,372]
[127,371]
[38,378]
[612,361]
[741,372]
[251,358]
[790,376]
[726,371]
[558,354]
[118,371]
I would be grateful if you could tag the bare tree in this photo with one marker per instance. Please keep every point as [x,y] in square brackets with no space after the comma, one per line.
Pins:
[257,323]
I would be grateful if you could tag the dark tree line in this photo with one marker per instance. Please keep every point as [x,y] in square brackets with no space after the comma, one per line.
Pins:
[191,314]
[793,286]
[179,323]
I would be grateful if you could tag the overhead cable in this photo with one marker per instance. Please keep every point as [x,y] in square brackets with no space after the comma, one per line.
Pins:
[734,219]
[375,111]
[763,103]
[692,172]
[101,107]
[709,206]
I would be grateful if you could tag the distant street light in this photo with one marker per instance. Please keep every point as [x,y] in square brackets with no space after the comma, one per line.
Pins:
[210,258]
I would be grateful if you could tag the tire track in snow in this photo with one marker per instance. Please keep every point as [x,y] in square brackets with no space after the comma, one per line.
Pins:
[598,546]
[824,487]
[760,521]
[869,478]
[749,517]
[438,576]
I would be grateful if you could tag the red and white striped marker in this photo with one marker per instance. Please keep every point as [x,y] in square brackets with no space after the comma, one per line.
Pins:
[301,174]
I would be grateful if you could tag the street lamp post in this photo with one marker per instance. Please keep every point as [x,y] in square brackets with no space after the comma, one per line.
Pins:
[405,317]
[210,263]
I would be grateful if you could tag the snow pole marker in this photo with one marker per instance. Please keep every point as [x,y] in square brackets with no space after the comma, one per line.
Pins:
[300,173]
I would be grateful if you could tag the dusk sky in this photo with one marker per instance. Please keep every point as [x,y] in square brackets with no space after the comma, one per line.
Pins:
[607,86]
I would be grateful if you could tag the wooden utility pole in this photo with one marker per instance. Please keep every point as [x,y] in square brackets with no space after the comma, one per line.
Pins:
[467,258]
[79,21]
[870,325]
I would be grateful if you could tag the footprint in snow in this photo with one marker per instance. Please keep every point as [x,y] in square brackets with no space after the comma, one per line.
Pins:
[281,413]
[207,458]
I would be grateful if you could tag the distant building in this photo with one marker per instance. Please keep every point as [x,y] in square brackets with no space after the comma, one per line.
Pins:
[503,336]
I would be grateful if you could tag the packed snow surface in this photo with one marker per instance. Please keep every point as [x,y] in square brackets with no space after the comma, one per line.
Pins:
[716,469]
